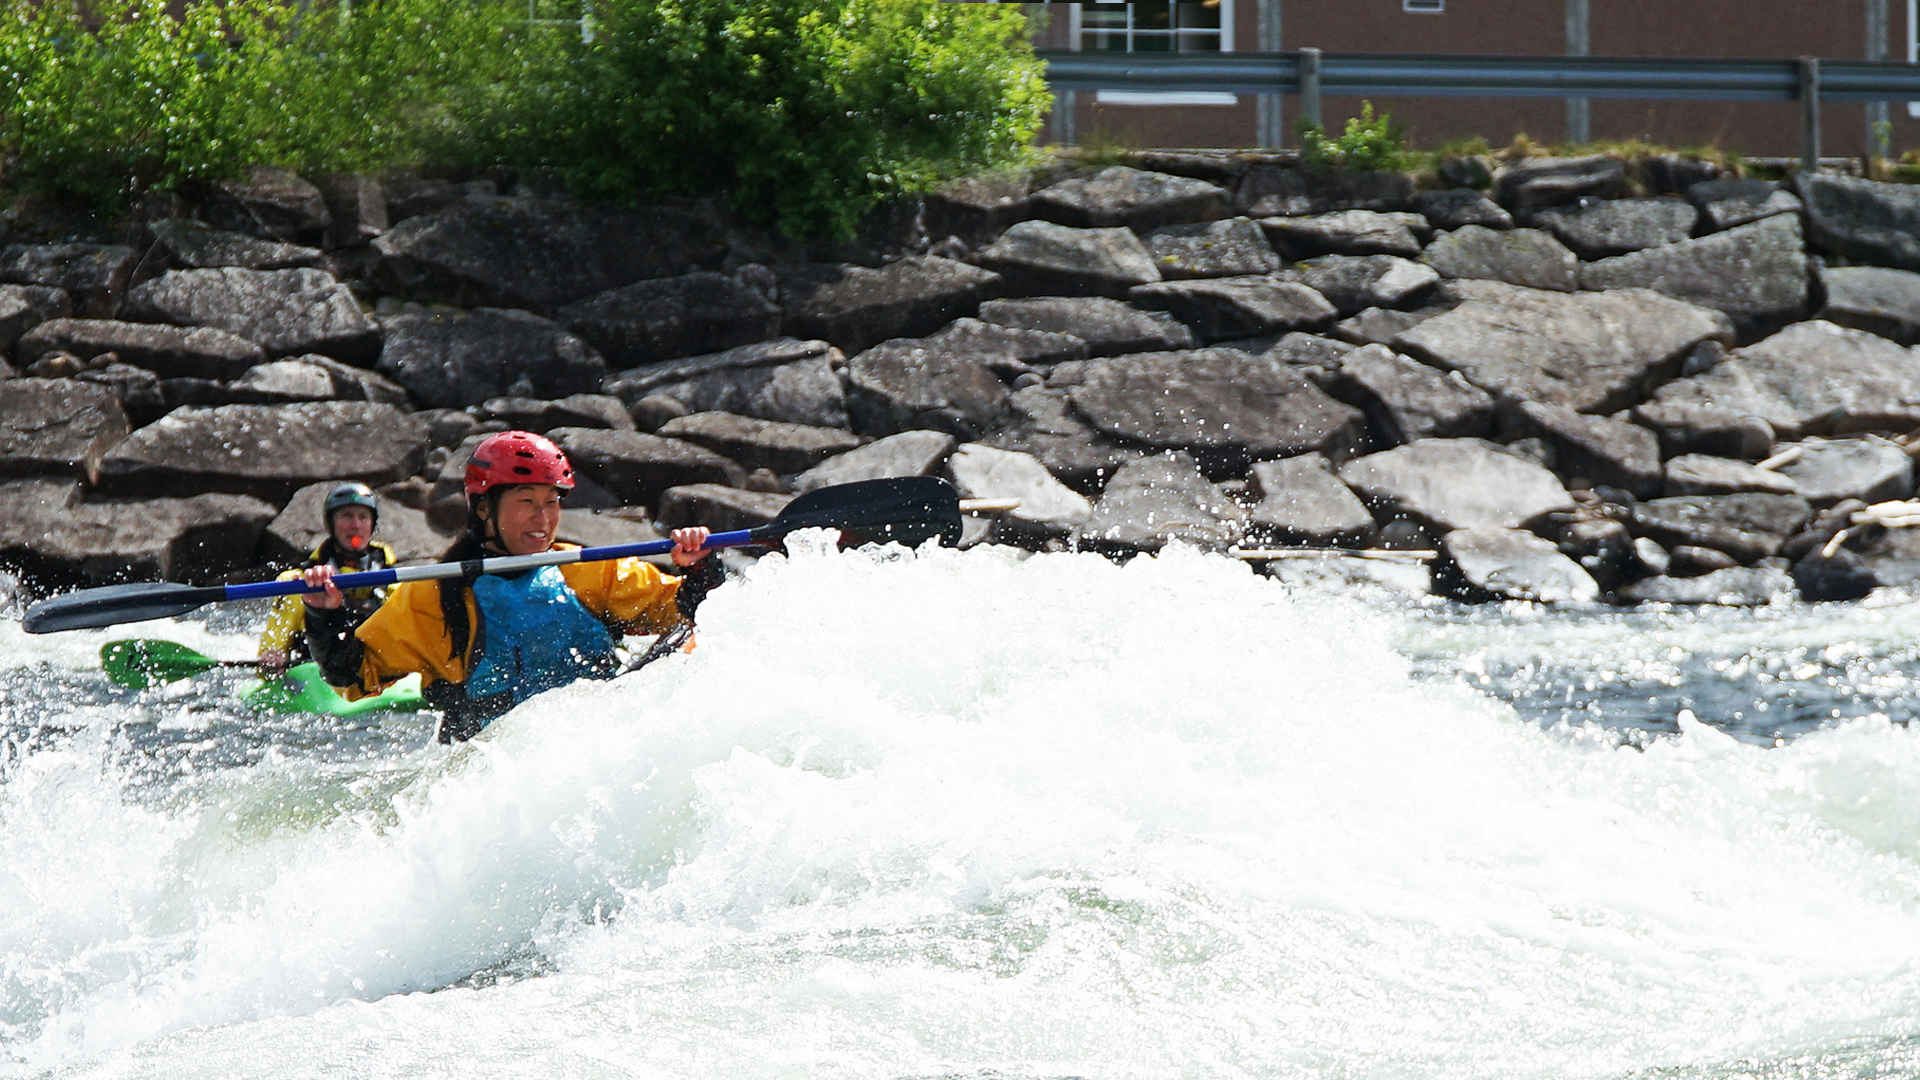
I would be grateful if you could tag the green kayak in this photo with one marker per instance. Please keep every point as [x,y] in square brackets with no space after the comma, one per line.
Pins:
[138,664]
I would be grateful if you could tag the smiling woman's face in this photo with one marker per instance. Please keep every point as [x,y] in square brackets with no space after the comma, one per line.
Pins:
[529,518]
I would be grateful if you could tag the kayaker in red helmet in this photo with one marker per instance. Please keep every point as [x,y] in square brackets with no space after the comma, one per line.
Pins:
[352,513]
[485,643]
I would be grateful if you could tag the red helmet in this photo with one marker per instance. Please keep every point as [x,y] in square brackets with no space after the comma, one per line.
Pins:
[516,457]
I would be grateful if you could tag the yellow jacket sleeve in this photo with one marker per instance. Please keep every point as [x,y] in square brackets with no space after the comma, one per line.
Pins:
[286,622]
[631,594]
[407,635]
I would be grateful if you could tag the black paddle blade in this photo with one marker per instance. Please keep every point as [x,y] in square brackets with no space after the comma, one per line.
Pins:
[907,510]
[112,605]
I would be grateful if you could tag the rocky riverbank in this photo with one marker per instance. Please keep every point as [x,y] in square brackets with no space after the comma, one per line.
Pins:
[1572,378]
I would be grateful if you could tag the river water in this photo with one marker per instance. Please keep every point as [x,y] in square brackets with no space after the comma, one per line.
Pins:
[962,815]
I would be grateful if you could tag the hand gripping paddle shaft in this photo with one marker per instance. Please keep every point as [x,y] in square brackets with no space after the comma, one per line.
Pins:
[907,510]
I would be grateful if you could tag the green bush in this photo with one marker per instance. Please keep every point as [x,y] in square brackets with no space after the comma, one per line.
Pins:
[102,99]
[1369,142]
[804,112]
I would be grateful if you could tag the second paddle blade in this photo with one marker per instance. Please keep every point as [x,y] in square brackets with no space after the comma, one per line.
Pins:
[112,605]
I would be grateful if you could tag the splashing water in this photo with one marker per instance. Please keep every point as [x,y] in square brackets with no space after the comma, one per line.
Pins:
[963,814]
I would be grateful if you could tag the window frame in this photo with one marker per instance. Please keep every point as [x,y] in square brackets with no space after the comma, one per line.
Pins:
[1077,36]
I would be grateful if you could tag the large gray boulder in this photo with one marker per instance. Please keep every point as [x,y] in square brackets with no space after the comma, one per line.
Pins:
[1510,564]
[1378,326]
[172,352]
[1119,195]
[1530,257]
[1109,327]
[55,538]
[1533,183]
[1862,220]
[1730,201]
[1449,484]
[1040,258]
[718,507]
[1873,298]
[857,308]
[1597,229]
[268,201]
[285,312]
[1406,400]
[533,414]
[1590,352]
[1047,507]
[58,426]
[1290,190]
[1353,283]
[23,307]
[1008,348]
[1813,378]
[452,359]
[1303,502]
[760,444]
[1347,232]
[1455,207]
[1228,406]
[1223,309]
[1227,248]
[539,254]
[185,244]
[910,453]
[904,384]
[301,525]
[1704,474]
[1868,468]
[1159,500]
[94,275]
[785,379]
[637,468]
[1695,426]
[1756,274]
[1748,526]
[664,318]
[1737,586]
[269,451]
[1041,422]
[1599,449]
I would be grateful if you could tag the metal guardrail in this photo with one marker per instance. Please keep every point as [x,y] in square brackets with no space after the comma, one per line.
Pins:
[1310,74]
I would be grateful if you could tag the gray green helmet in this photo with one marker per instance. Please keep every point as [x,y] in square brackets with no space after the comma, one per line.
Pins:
[350,494]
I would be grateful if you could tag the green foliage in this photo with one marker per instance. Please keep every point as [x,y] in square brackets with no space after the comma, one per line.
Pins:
[805,112]
[103,99]
[1369,142]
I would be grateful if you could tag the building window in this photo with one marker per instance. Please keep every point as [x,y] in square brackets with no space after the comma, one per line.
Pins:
[1182,27]
[1424,7]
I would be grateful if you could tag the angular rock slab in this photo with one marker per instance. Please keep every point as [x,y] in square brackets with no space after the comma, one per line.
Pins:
[1406,400]
[1224,309]
[904,384]
[1529,257]
[1868,468]
[1455,207]
[268,201]
[269,451]
[1047,507]
[23,307]
[664,318]
[1704,474]
[539,254]
[1862,220]
[1006,348]
[637,468]
[1595,230]
[1284,190]
[58,426]
[1041,422]
[857,308]
[910,453]
[760,444]
[1119,195]
[56,539]
[1225,404]
[1041,258]
[1747,526]
[172,352]
[1590,352]
[1511,564]
[1873,298]
[285,312]
[301,526]
[1159,500]
[1532,183]
[1455,484]
[1813,378]
[452,359]
[1229,248]
[1598,448]
[191,245]
[1731,201]
[95,275]
[718,507]
[1353,283]
[1756,274]
[1303,502]
[530,414]
[1738,586]
[785,379]
[1109,327]
[1347,232]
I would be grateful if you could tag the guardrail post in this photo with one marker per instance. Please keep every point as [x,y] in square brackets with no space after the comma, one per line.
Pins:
[1310,88]
[1810,114]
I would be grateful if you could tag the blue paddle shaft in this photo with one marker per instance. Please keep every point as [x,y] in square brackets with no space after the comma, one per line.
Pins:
[504,564]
